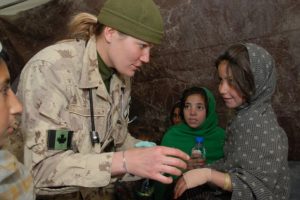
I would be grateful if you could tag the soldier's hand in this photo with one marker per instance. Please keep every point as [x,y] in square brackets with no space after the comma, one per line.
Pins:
[154,162]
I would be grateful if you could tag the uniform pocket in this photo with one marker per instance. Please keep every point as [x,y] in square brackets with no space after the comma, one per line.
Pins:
[85,112]
[80,117]
[51,107]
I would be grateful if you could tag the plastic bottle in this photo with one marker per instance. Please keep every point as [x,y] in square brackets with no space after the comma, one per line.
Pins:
[146,190]
[199,151]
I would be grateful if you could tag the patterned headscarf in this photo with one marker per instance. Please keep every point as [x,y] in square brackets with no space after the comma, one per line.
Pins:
[257,147]
[263,68]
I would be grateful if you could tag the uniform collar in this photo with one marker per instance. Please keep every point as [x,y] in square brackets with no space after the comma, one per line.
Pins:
[105,72]
[90,76]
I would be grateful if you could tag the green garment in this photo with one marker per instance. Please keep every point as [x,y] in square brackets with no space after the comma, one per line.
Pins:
[105,72]
[182,136]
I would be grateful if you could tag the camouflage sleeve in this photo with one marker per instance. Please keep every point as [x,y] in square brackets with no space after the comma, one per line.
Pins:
[45,100]
[129,142]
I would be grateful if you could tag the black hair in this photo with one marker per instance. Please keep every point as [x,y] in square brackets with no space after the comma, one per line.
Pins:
[3,53]
[188,92]
[237,58]
[176,105]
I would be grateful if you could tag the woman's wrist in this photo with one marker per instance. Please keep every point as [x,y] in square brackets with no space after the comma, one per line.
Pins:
[227,182]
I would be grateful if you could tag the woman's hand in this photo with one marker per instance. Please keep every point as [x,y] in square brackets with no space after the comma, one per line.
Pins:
[154,162]
[192,179]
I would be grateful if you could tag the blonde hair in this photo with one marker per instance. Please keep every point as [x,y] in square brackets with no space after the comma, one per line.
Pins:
[84,25]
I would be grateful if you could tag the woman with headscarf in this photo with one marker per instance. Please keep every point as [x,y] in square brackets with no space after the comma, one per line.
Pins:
[255,163]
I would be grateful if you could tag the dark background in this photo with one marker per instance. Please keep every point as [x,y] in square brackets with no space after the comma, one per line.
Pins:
[196,32]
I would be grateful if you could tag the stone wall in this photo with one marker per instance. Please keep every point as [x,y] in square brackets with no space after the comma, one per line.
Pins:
[196,33]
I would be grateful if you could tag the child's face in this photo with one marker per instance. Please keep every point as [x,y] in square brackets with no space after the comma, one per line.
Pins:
[194,110]
[9,104]
[176,116]
[231,96]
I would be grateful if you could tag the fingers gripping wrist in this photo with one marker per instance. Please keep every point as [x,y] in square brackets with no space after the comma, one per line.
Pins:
[197,177]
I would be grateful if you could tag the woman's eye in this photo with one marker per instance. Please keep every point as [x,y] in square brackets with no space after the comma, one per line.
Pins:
[142,46]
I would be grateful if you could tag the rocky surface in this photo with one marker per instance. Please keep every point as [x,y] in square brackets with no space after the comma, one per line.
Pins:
[196,33]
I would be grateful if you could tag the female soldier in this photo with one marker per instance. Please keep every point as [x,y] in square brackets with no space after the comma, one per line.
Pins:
[76,95]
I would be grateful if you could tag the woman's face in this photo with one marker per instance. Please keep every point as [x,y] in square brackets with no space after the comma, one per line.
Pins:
[176,116]
[9,104]
[126,54]
[194,110]
[231,96]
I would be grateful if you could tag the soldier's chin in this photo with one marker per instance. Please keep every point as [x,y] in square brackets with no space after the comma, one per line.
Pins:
[130,74]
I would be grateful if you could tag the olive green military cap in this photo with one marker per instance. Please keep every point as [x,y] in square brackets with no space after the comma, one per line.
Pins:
[138,18]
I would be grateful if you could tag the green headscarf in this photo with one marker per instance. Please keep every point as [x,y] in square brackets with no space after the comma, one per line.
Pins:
[182,136]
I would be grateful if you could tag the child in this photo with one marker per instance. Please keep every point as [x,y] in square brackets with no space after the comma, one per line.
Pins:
[197,109]
[15,181]
[255,164]
[175,117]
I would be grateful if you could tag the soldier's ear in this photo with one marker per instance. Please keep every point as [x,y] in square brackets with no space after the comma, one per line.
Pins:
[109,33]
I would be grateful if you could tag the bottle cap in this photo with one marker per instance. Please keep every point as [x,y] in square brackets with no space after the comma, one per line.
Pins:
[199,139]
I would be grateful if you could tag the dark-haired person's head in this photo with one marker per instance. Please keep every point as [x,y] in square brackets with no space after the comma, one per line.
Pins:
[9,104]
[175,116]
[234,68]
[194,106]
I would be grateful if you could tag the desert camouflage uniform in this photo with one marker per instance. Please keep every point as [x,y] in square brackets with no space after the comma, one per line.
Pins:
[54,90]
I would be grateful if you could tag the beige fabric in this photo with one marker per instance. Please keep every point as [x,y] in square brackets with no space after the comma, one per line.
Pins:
[197,177]
[15,180]
[53,90]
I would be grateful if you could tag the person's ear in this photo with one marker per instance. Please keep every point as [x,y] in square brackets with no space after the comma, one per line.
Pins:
[109,33]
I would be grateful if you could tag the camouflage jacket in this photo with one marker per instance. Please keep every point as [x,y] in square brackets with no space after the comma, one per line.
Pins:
[54,90]
[15,181]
